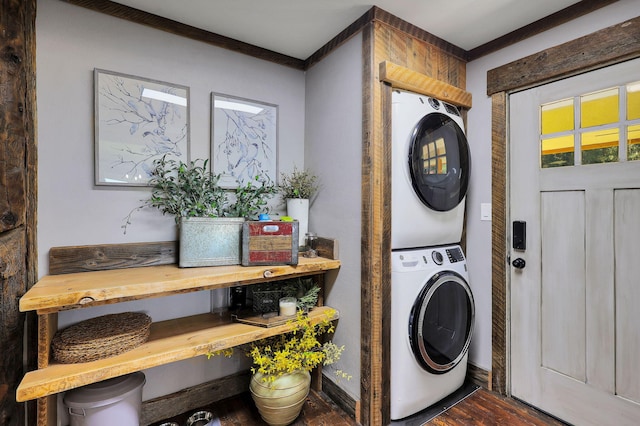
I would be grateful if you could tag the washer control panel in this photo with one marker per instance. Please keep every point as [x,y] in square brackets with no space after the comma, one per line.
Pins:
[426,258]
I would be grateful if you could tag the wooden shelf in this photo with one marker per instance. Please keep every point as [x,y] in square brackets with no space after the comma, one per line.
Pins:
[89,276]
[170,341]
[83,289]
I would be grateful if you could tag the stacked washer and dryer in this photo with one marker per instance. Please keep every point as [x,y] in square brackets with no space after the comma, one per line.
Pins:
[432,308]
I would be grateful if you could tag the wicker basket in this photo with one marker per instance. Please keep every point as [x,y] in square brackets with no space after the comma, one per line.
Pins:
[100,337]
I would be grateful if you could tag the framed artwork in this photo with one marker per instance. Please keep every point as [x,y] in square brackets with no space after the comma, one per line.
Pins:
[137,121]
[244,140]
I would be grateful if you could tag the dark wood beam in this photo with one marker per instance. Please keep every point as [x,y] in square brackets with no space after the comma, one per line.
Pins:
[158,22]
[18,199]
[561,17]
[610,45]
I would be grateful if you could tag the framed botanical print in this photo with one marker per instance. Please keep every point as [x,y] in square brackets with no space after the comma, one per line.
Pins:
[137,121]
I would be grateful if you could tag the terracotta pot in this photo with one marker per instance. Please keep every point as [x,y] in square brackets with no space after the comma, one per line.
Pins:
[280,402]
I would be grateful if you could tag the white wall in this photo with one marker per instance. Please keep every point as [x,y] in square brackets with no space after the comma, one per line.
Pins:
[479,135]
[333,150]
[71,42]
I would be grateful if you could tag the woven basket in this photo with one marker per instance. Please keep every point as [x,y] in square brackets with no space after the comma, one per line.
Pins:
[100,337]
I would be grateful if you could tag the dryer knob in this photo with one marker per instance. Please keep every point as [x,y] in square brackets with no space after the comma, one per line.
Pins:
[435,104]
[437,257]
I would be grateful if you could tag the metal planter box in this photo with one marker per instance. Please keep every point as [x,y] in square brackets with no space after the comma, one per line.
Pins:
[269,243]
[208,241]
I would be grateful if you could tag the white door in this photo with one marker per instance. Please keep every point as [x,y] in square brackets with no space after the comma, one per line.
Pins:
[575,305]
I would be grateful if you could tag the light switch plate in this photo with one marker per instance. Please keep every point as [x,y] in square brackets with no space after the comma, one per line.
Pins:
[485,211]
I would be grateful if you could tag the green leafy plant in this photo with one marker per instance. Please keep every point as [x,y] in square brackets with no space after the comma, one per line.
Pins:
[298,184]
[304,290]
[297,350]
[191,190]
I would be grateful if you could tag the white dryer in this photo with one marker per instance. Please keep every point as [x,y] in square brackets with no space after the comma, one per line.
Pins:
[432,318]
[430,171]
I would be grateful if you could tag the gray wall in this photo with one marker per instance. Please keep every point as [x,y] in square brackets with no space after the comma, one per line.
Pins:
[479,135]
[333,150]
[319,126]
[71,42]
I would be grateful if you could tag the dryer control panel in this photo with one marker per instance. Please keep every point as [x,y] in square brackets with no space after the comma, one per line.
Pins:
[455,255]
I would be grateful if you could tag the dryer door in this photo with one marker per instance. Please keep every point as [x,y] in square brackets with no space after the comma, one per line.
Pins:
[439,162]
[441,322]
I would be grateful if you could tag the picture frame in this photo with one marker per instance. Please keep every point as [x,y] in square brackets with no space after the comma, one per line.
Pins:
[137,120]
[244,140]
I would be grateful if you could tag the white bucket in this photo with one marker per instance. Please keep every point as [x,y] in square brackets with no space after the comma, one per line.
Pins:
[111,402]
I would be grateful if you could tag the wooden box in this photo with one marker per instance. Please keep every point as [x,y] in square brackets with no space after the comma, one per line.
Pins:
[269,243]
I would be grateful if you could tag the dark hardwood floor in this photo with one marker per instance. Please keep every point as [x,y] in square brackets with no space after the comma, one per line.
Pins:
[480,408]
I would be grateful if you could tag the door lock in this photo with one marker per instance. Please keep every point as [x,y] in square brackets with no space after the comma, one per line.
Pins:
[519,263]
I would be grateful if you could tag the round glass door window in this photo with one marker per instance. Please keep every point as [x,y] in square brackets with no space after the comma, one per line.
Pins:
[441,322]
[439,162]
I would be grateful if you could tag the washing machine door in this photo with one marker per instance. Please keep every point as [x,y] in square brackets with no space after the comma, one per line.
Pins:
[441,322]
[439,162]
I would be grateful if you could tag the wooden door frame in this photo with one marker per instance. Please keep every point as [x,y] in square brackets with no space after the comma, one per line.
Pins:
[609,46]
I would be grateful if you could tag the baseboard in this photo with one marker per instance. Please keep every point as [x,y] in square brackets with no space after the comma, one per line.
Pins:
[341,398]
[478,376]
[194,397]
[189,399]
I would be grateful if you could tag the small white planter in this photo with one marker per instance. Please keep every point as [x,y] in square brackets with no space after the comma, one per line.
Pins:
[206,241]
[298,209]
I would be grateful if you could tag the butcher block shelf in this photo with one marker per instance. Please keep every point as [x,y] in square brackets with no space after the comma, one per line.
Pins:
[170,341]
[71,291]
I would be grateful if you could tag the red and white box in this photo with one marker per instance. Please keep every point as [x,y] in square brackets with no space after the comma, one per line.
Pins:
[269,243]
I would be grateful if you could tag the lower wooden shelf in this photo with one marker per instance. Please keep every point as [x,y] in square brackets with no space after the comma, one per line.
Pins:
[170,341]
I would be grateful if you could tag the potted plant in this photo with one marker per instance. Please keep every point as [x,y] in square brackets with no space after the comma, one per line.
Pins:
[209,217]
[296,189]
[282,365]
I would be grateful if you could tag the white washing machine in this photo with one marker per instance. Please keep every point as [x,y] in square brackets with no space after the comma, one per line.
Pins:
[432,318]
[430,171]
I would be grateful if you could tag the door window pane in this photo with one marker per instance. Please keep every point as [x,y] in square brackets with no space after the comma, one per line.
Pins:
[557,152]
[600,146]
[604,126]
[633,142]
[599,108]
[633,100]
[557,117]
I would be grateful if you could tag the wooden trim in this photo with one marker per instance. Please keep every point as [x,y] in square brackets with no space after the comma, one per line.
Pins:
[596,50]
[157,409]
[478,376]
[385,17]
[67,260]
[340,39]
[403,78]
[499,304]
[342,399]
[541,25]
[611,45]
[103,257]
[367,362]
[158,22]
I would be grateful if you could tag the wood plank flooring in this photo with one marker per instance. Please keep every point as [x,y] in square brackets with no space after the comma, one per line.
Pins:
[482,408]
[489,409]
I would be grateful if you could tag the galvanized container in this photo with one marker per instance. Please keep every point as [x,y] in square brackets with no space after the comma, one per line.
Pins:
[206,241]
